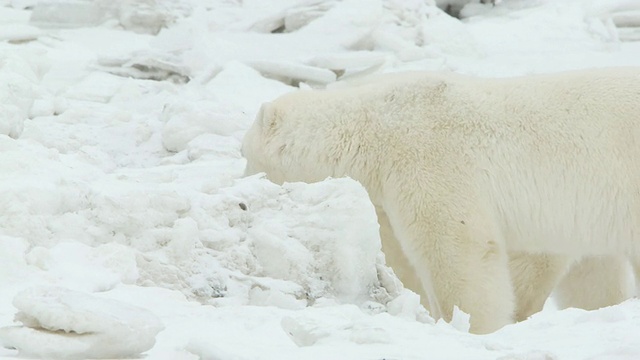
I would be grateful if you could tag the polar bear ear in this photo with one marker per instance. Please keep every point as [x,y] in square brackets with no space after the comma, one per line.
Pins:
[267,117]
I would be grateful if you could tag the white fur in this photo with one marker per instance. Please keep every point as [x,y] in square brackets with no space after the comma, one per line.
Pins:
[468,170]
[596,282]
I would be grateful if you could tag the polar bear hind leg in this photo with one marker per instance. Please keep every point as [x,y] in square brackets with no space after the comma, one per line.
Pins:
[534,276]
[596,282]
[589,283]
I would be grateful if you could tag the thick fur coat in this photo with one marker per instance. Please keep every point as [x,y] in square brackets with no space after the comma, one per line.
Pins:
[480,180]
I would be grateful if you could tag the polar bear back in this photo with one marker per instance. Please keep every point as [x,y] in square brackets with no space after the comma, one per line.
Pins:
[564,108]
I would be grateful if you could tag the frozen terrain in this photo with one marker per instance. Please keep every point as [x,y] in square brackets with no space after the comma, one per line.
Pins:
[127,229]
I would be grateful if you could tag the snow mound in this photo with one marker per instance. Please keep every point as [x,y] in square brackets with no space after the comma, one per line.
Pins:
[64,324]
[250,243]
[343,251]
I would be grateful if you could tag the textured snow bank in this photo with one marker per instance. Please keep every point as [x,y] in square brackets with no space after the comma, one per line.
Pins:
[249,243]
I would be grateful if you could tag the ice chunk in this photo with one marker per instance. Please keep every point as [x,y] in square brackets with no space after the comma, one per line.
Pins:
[63,324]
[407,305]
[460,320]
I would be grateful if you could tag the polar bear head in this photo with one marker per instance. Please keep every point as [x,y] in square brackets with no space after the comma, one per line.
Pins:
[260,157]
[291,140]
[268,144]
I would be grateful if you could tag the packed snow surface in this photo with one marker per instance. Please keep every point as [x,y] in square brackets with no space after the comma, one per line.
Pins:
[128,229]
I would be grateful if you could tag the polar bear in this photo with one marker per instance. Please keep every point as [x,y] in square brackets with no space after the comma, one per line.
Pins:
[469,170]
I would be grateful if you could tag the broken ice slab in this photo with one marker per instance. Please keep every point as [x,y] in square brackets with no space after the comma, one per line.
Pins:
[59,323]
[145,66]
[293,73]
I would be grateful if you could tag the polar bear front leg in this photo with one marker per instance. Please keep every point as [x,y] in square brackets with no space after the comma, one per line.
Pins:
[534,277]
[397,260]
[595,282]
[458,260]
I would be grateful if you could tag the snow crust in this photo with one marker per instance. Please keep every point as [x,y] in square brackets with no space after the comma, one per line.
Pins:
[65,324]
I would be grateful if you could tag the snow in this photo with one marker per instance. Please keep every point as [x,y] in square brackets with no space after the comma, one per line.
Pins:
[129,230]
[66,324]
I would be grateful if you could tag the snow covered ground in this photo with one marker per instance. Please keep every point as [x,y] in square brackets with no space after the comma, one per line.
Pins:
[126,226]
